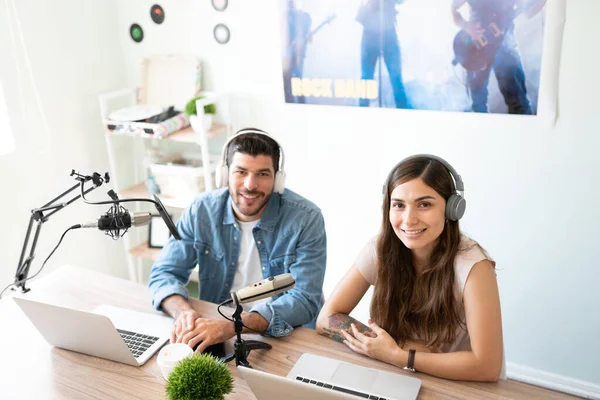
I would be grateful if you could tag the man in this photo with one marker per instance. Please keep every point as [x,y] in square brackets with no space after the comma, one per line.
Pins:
[240,235]
[380,39]
[506,61]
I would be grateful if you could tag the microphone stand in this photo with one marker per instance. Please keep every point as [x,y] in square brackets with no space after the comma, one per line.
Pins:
[241,347]
[38,217]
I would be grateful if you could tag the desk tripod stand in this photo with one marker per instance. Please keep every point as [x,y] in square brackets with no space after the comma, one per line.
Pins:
[241,347]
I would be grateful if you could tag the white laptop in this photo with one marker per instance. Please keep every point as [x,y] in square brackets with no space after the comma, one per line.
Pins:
[113,333]
[315,377]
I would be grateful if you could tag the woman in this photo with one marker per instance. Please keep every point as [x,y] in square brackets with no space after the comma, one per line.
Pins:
[436,296]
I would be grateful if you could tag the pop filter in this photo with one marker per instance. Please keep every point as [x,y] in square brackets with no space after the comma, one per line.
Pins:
[168,221]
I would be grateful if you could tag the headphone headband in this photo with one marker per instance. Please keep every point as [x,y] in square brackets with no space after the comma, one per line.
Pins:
[458,183]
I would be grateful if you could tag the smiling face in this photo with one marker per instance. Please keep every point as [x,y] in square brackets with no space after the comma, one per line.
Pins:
[417,216]
[251,182]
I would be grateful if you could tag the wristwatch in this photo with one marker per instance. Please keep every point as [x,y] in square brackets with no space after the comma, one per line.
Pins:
[410,365]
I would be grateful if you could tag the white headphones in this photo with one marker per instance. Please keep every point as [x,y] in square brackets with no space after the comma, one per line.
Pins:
[222,171]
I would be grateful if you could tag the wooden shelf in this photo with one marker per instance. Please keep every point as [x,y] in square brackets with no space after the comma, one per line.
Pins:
[143,251]
[186,135]
[138,191]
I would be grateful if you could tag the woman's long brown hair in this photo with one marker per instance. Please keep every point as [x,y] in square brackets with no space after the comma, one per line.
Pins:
[410,306]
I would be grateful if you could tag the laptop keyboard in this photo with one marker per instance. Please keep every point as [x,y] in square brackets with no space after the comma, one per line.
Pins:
[137,342]
[339,389]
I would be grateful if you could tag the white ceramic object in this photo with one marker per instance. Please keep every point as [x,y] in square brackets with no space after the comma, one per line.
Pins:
[196,123]
[207,121]
[170,355]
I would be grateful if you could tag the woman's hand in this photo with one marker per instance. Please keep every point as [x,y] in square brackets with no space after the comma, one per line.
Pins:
[383,347]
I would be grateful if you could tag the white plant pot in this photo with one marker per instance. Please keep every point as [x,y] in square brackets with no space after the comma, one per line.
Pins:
[208,121]
[202,124]
[196,123]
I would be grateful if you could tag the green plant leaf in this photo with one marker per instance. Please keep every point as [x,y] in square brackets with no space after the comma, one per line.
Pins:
[190,107]
[199,377]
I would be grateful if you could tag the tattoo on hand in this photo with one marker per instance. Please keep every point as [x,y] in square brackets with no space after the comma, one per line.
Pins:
[341,322]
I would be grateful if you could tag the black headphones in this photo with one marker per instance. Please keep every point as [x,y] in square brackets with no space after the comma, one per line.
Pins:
[456,203]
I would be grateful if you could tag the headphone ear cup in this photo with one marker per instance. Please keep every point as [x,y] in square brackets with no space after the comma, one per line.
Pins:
[455,207]
[223,176]
[279,185]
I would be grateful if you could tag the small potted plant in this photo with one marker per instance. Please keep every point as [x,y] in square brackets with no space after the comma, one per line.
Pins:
[199,376]
[209,111]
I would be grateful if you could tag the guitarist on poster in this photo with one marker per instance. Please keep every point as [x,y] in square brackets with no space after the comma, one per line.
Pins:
[299,35]
[380,41]
[491,31]
[299,23]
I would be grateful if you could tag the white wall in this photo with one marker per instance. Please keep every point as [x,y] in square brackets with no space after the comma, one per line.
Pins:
[74,51]
[530,189]
[531,194]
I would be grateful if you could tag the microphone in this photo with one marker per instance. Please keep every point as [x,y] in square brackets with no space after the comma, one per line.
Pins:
[121,219]
[266,288]
[118,219]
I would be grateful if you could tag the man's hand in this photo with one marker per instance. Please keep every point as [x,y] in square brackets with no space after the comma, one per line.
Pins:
[189,328]
[207,332]
[183,313]
[184,323]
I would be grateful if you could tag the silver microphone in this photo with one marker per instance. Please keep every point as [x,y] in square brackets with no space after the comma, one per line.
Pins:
[119,220]
[266,288]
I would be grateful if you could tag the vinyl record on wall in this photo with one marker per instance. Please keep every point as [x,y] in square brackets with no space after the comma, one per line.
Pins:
[157,14]
[221,33]
[220,5]
[136,32]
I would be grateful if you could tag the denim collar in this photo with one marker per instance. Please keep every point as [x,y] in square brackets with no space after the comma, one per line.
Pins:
[267,221]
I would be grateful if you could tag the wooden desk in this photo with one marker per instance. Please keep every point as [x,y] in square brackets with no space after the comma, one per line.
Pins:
[32,369]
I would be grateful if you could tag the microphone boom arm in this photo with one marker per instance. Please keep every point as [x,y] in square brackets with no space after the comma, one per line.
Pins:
[37,216]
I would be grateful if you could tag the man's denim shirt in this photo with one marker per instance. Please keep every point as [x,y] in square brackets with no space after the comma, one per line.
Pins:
[290,237]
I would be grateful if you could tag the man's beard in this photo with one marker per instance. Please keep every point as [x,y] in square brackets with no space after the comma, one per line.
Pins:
[239,205]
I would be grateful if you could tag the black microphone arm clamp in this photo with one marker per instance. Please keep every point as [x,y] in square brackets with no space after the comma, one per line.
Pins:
[241,347]
[42,214]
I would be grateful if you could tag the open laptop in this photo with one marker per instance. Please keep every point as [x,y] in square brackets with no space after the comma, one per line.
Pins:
[315,377]
[113,333]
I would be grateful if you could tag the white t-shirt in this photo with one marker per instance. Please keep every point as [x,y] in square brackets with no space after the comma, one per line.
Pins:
[248,271]
[469,254]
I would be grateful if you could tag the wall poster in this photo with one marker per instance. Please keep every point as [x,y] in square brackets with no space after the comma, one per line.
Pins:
[485,56]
